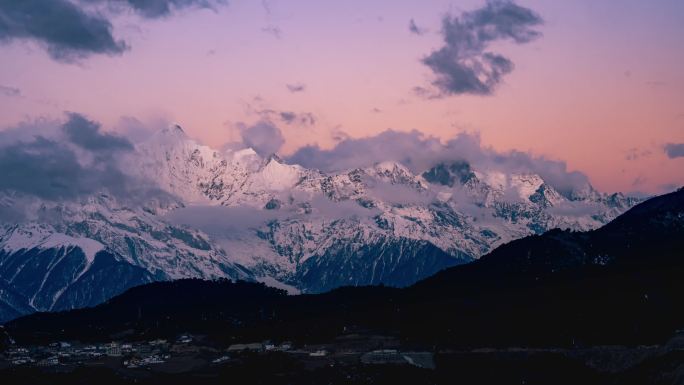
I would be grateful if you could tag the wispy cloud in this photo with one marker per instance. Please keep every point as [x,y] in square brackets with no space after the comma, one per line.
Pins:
[296,87]
[272,30]
[266,5]
[636,153]
[9,91]
[415,29]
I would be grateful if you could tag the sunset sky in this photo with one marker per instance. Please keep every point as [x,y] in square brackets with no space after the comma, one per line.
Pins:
[599,85]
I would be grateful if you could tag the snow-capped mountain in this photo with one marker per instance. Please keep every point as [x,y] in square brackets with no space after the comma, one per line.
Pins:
[91,250]
[234,214]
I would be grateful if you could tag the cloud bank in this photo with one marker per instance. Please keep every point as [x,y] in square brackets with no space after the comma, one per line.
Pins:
[419,153]
[66,161]
[86,134]
[464,65]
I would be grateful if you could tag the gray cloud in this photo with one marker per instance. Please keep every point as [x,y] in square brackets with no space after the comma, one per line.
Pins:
[674,150]
[264,137]
[419,153]
[54,161]
[69,33]
[463,65]
[219,221]
[415,29]
[398,193]
[9,91]
[63,28]
[49,169]
[288,116]
[226,224]
[296,87]
[153,9]
[86,134]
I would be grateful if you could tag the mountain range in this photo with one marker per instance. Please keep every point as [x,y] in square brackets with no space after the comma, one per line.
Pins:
[234,214]
[601,306]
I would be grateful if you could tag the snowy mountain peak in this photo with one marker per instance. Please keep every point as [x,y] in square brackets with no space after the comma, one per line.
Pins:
[525,184]
[449,174]
[173,130]
[275,175]
[394,173]
[284,223]
[45,237]
[272,158]
[246,158]
[546,196]
[391,167]
[585,193]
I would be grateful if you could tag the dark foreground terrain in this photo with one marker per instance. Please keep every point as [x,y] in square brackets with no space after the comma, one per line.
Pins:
[501,367]
[565,307]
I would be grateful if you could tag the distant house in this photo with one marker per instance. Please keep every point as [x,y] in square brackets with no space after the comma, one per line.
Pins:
[268,345]
[384,356]
[184,339]
[50,361]
[221,360]
[319,353]
[253,347]
[113,349]
[394,357]
[21,360]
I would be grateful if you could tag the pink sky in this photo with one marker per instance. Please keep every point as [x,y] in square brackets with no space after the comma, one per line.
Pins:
[603,89]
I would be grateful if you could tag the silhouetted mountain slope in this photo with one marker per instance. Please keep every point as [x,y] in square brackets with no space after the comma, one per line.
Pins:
[620,284]
[651,233]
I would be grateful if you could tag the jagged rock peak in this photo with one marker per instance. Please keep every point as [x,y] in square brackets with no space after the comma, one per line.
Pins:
[272,158]
[172,131]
